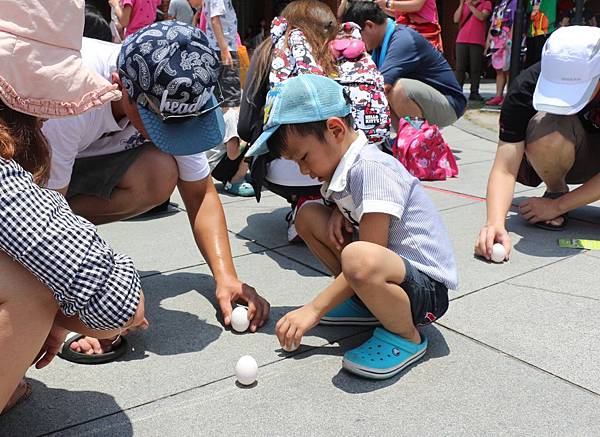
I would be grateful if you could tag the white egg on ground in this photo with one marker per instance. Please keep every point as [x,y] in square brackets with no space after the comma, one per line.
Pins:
[498,253]
[239,319]
[290,349]
[246,370]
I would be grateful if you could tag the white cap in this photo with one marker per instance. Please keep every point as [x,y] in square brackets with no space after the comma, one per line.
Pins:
[570,70]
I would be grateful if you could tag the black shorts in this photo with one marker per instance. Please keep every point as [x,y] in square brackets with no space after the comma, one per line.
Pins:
[229,82]
[428,297]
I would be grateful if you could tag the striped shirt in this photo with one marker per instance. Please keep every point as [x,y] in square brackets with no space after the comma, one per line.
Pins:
[368,180]
[39,230]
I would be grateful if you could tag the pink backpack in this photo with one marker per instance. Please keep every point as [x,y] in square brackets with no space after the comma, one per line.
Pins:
[420,147]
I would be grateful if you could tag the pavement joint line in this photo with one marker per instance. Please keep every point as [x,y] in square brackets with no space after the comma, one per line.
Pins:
[189,389]
[512,277]
[554,291]
[521,360]
[474,162]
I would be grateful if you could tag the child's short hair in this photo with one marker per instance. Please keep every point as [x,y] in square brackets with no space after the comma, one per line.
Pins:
[277,142]
[360,11]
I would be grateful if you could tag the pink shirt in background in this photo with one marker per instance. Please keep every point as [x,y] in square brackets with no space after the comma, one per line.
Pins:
[143,13]
[473,30]
[427,14]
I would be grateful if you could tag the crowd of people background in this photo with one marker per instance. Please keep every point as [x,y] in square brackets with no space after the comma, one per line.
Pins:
[149,105]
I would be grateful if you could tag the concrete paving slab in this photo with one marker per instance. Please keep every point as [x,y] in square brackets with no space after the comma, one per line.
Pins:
[465,156]
[559,278]
[556,332]
[460,388]
[185,346]
[477,144]
[532,248]
[163,243]
[262,222]
[302,254]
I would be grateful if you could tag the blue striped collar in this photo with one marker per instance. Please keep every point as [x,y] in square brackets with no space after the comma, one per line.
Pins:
[338,181]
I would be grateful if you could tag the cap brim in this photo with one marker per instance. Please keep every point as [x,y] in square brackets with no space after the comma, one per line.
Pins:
[260,145]
[49,81]
[186,138]
[560,98]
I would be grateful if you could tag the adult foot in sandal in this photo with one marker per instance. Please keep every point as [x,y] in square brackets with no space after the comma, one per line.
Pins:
[89,350]
[21,393]
[545,212]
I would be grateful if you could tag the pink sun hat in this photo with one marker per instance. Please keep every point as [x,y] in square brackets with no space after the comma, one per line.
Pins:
[41,72]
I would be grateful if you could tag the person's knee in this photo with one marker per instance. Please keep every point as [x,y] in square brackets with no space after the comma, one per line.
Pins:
[359,264]
[549,133]
[305,218]
[158,177]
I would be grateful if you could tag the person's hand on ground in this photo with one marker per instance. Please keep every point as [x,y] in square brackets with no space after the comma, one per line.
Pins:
[489,235]
[226,59]
[291,328]
[541,209]
[337,225]
[51,347]
[236,291]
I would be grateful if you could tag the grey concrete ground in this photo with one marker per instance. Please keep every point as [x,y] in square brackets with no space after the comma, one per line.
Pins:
[516,354]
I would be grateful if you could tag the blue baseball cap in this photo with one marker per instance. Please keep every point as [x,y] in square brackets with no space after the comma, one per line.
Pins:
[170,71]
[301,99]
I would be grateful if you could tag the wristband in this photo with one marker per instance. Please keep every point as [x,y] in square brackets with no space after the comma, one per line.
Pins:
[388,4]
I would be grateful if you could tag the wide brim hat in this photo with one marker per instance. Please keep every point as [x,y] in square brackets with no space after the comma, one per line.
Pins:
[41,72]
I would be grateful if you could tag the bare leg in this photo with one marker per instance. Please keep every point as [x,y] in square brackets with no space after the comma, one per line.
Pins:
[374,273]
[311,225]
[501,78]
[401,105]
[147,183]
[27,311]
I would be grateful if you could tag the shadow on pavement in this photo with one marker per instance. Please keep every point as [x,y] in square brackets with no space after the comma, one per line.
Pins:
[170,329]
[354,384]
[51,410]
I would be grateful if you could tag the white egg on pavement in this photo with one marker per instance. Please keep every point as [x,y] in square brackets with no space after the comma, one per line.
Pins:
[290,349]
[239,319]
[498,253]
[246,370]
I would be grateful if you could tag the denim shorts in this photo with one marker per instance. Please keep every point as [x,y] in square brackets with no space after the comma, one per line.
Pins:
[428,297]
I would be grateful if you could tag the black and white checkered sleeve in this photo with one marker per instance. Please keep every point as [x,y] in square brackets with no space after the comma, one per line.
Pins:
[64,251]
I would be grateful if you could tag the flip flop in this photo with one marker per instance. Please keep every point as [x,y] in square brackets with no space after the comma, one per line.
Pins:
[550,226]
[120,346]
[383,355]
[21,399]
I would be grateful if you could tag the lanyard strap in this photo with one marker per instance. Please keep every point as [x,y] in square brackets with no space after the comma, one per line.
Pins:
[380,52]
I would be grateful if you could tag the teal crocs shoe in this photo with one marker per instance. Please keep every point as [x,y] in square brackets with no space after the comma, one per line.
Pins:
[383,355]
[243,189]
[350,312]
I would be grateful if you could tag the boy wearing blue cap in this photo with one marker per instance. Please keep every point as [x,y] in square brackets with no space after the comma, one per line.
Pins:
[399,270]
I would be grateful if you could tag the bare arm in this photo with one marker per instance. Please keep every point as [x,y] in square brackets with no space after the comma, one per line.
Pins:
[207,219]
[123,14]
[480,15]
[220,37]
[342,9]
[458,12]
[500,190]
[402,5]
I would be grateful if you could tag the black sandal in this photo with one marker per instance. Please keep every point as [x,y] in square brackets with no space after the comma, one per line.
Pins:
[549,226]
[119,345]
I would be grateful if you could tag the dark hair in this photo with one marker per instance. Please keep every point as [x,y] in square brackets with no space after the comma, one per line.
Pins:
[360,11]
[21,139]
[277,142]
[96,26]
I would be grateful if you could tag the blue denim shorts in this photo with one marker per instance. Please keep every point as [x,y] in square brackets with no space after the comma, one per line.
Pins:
[428,297]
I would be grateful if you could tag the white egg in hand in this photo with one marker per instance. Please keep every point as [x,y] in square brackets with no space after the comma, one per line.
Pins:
[246,370]
[239,319]
[291,348]
[498,253]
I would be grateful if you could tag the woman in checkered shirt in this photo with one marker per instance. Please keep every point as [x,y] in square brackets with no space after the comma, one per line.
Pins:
[57,274]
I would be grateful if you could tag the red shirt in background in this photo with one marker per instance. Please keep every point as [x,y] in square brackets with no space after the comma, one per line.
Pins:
[473,31]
